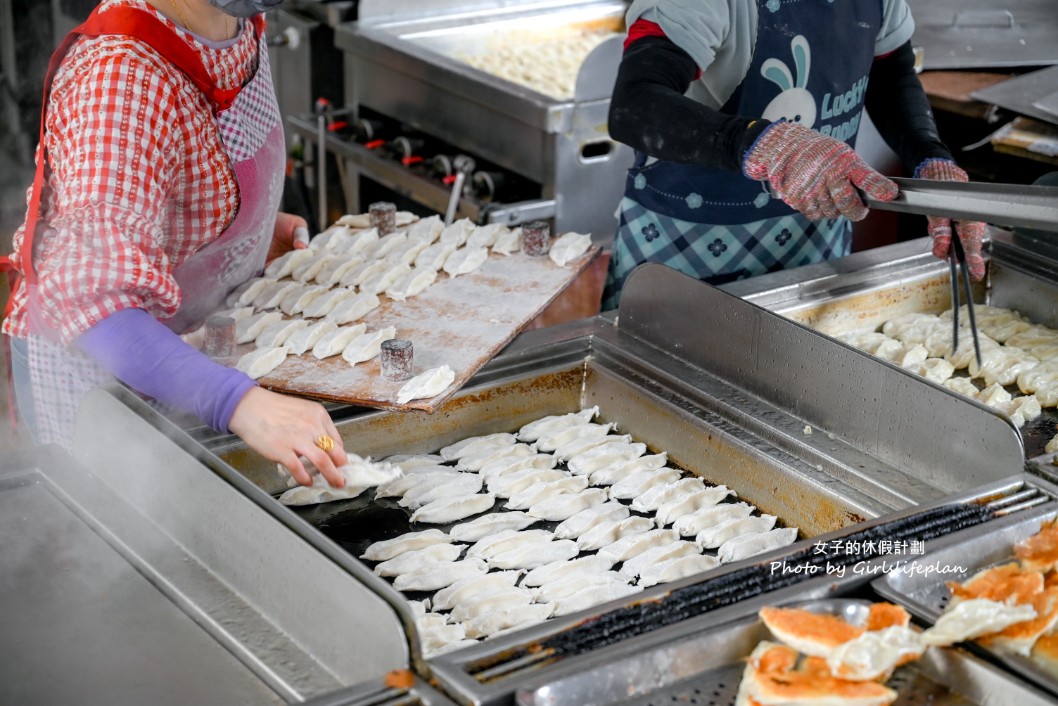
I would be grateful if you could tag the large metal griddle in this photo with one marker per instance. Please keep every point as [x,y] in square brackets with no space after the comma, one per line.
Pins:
[864,290]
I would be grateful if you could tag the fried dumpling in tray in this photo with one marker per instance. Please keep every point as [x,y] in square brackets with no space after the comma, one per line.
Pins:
[1040,551]
[974,618]
[814,634]
[1020,637]
[1005,583]
[770,677]
[876,653]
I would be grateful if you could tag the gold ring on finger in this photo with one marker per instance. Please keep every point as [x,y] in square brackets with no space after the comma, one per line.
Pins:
[325,442]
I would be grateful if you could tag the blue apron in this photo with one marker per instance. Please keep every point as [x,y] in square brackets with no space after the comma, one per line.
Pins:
[810,65]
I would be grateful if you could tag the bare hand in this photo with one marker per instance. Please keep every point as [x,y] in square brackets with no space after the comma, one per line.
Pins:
[283,429]
[291,233]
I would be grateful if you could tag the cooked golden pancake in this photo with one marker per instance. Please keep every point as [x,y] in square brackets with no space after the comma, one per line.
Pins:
[1040,551]
[1045,653]
[887,615]
[1000,583]
[813,634]
[812,684]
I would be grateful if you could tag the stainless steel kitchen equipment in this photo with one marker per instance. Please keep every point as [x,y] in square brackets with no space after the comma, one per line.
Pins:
[409,64]
[1028,94]
[729,397]
[866,289]
[142,570]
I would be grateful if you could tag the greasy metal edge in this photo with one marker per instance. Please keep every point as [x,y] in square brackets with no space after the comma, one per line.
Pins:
[372,694]
[453,670]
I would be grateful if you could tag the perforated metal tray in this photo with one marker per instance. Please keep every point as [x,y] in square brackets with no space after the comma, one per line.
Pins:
[706,669]
[926,595]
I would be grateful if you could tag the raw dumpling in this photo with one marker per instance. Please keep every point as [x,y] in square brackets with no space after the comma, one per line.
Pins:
[676,569]
[637,483]
[333,271]
[260,362]
[592,596]
[406,461]
[484,236]
[631,545]
[365,472]
[356,276]
[567,434]
[555,423]
[411,560]
[297,299]
[563,507]
[325,303]
[606,533]
[517,481]
[465,260]
[307,270]
[367,345]
[319,492]
[562,570]
[353,308]
[466,589]
[335,342]
[251,327]
[271,297]
[474,444]
[426,385]
[278,333]
[655,555]
[457,233]
[661,494]
[534,554]
[748,545]
[440,575]
[491,524]
[604,456]
[477,461]
[502,599]
[523,616]
[412,480]
[412,283]
[389,244]
[434,257]
[712,537]
[509,242]
[623,469]
[245,293]
[285,263]
[424,494]
[447,510]
[579,446]
[389,548]
[385,279]
[668,513]
[426,230]
[569,247]
[306,338]
[506,540]
[506,465]
[536,492]
[570,585]
[435,638]
[585,520]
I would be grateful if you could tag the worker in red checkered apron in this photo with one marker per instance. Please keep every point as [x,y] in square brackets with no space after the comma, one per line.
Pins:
[159,176]
[743,114]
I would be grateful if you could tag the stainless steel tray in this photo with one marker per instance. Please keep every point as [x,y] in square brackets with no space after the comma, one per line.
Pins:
[706,668]
[926,594]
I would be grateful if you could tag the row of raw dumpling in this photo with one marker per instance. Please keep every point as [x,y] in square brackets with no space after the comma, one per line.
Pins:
[646,555]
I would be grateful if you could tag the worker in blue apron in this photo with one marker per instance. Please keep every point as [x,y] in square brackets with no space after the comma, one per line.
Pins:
[743,114]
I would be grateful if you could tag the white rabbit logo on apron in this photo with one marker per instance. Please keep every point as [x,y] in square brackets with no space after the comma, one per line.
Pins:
[795,104]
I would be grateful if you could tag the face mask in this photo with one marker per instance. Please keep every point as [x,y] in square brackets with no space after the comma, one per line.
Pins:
[245,8]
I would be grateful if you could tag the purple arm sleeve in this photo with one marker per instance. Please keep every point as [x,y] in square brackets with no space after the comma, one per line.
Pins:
[141,352]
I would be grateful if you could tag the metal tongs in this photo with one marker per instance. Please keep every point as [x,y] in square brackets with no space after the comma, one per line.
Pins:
[999,204]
